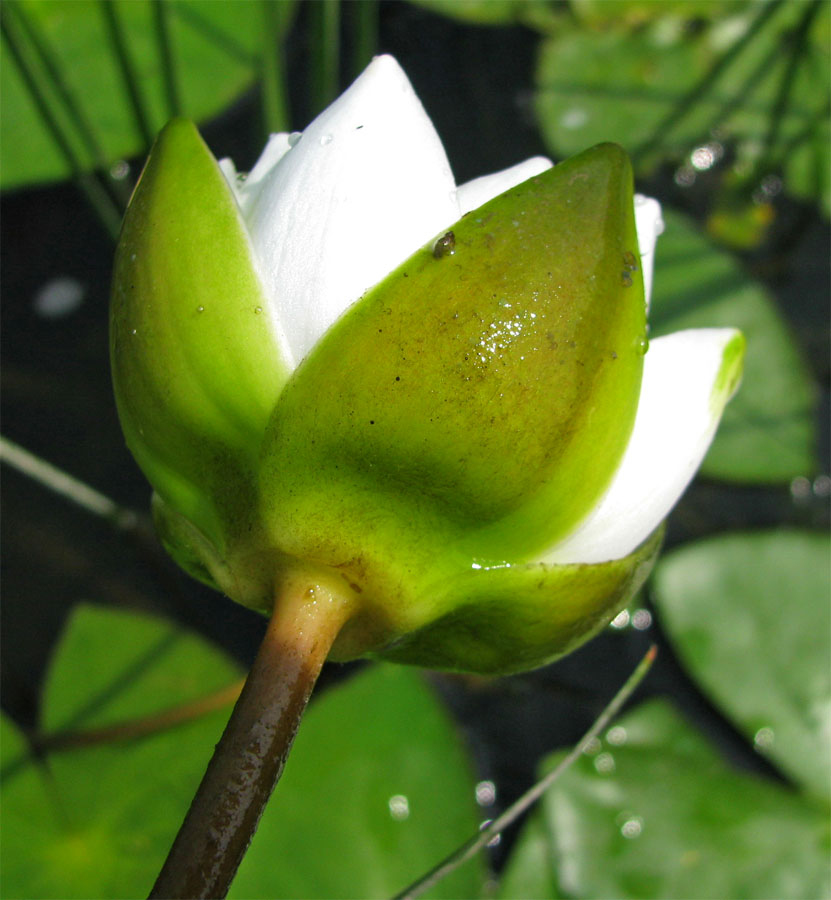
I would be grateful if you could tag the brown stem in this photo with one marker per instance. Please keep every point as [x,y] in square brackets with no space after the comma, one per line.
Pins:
[250,756]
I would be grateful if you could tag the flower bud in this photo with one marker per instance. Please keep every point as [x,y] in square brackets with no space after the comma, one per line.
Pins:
[436,400]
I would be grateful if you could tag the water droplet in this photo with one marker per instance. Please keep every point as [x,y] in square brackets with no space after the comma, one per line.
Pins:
[119,170]
[763,739]
[257,310]
[592,747]
[59,297]
[200,309]
[632,827]
[616,736]
[399,807]
[643,346]
[621,620]
[800,488]
[445,245]
[604,763]
[822,486]
[134,331]
[494,841]
[294,137]
[642,619]
[630,261]
[132,257]
[486,793]
[326,139]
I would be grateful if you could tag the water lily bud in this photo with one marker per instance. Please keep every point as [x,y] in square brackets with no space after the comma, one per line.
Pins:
[436,399]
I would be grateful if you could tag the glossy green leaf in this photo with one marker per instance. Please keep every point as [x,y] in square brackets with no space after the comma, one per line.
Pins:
[750,618]
[214,49]
[768,432]
[661,88]
[376,792]
[656,813]
[98,822]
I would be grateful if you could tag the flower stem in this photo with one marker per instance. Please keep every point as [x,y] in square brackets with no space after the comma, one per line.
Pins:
[250,756]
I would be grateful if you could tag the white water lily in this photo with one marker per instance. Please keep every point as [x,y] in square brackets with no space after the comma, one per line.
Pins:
[454,433]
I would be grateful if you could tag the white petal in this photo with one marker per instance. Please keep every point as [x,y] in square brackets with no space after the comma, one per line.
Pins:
[474,193]
[366,185]
[246,188]
[688,378]
[649,225]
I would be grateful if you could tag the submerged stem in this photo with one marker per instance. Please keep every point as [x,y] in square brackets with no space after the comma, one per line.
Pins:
[252,752]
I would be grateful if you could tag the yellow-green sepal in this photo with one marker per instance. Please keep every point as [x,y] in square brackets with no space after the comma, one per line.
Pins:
[514,618]
[196,367]
[475,403]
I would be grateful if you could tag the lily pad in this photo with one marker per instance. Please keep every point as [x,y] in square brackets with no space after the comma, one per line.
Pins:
[768,433]
[750,618]
[657,813]
[98,821]
[664,86]
[215,58]
[376,792]
[377,789]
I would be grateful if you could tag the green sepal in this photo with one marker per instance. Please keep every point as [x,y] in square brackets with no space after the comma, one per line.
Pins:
[196,368]
[515,618]
[474,404]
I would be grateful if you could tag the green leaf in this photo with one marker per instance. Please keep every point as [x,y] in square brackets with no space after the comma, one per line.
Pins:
[214,58]
[660,88]
[656,813]
[485,12]
[530,872]
[768,431]
[750,618]
[376,792]
[98,821]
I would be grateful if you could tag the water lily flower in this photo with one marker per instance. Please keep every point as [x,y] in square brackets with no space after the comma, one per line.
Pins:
[437,398]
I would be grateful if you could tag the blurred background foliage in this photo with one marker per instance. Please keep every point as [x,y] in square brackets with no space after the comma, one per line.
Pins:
[717,784]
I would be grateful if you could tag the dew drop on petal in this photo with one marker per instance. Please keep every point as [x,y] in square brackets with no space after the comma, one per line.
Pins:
[294,137]
[326,139]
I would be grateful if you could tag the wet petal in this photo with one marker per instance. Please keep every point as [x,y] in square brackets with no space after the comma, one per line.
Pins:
[246,188]
[474,193]
[365,186]
[650,226]
[688,378]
